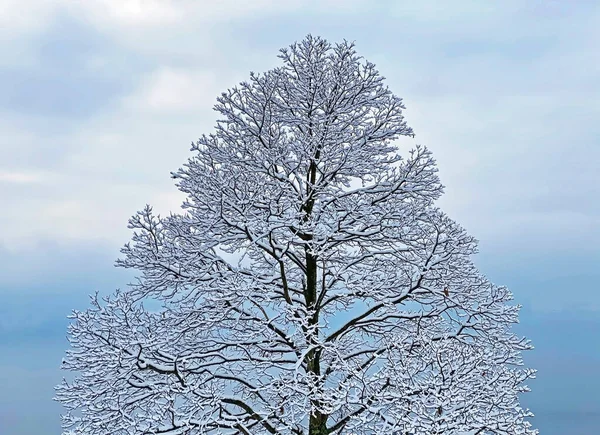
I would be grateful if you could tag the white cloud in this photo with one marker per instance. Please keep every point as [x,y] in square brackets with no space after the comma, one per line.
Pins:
[73,210]
[20,177]
[137,12]
[191,13]
[20,18]
[172,90]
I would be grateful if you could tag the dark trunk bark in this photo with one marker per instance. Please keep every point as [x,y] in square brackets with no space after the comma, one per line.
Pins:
[318,425]
[318,420]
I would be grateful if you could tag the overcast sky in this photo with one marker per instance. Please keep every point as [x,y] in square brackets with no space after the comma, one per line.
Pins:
[100,100]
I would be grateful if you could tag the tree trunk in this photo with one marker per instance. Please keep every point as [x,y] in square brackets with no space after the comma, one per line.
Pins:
[318,425]
[318,421]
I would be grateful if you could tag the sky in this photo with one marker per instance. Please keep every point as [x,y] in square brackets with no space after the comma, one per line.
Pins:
[100,100]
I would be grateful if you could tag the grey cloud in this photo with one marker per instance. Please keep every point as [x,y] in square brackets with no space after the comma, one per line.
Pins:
[62,94]
[544,279]
[76,73]
[48,268]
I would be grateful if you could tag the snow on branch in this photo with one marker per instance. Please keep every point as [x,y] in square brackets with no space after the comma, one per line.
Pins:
[309,286]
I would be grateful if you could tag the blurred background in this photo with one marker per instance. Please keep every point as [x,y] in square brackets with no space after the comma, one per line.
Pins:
[100,100]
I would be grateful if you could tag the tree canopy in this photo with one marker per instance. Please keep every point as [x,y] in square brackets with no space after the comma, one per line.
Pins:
[309,285]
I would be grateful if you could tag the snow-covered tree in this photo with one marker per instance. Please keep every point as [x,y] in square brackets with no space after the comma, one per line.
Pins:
[309,286]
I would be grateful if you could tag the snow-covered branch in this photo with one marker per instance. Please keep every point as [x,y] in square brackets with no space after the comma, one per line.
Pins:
[309,286]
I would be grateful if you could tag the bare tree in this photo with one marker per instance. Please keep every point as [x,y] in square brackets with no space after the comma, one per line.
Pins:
[310,285]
